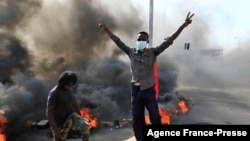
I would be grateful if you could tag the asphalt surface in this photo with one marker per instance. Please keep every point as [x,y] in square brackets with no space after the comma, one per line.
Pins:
[229,106]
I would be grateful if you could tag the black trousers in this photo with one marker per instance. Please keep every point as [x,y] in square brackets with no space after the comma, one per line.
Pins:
[140,100]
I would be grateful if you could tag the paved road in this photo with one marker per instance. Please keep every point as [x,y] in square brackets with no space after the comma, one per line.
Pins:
[210,106]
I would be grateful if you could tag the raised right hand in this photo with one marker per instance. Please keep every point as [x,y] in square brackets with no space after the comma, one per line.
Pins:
[188,19]
[101,24]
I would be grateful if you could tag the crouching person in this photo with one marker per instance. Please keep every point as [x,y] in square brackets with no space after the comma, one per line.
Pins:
[63,112]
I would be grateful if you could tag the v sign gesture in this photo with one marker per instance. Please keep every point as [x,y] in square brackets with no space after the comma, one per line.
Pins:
[188,19]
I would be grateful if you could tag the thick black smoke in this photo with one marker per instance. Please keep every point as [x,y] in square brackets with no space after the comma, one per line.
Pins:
[14,57]
[40,39]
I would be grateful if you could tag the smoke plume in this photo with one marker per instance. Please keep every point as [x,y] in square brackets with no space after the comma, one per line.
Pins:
[41,39]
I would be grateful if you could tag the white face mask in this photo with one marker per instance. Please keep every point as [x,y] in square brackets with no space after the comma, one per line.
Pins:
[140,45]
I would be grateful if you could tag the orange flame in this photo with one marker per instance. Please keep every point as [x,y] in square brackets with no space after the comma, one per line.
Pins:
[165,117]
[181,107]
[3,121]
[2,137]
[147,120]
[85,113]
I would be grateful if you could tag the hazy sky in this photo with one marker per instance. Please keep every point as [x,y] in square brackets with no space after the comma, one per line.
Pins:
[227,20]
[39,39]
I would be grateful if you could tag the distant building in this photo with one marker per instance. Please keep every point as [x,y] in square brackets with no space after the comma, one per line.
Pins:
[213,53]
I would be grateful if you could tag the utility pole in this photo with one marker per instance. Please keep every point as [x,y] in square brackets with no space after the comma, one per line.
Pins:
[151,9]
